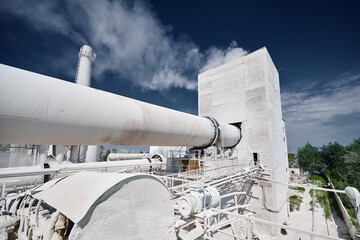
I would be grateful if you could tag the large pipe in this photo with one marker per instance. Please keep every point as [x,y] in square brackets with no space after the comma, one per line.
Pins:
[23,177]
[56,167]
[38,109]
[92,153]
[126,156]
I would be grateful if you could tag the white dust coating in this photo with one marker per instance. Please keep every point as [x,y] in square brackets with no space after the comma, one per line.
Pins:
[334,226]
[82,190]
[86,57]
[136,208]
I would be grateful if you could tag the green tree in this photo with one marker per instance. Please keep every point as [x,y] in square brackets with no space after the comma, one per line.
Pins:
[331,155]
[352,168]
[354,146]
[106,155]
[309,158]
[346,170]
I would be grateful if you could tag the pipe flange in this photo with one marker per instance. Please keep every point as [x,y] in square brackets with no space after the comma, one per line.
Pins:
[216,131]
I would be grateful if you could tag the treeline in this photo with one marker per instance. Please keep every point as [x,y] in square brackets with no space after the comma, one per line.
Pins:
[340,163]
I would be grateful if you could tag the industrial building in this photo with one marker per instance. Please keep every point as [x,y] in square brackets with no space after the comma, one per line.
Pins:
[220,175]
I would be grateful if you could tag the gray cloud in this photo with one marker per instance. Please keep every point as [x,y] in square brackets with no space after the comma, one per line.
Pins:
[129,40]
[321,115]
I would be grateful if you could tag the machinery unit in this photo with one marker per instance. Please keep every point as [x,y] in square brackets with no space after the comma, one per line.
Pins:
[43,213]
[198,199]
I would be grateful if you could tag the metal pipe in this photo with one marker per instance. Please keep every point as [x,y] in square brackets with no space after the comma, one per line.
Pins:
[126,156]
[55,167]
[74,153]
[92,153]
[34,175]
[45,110]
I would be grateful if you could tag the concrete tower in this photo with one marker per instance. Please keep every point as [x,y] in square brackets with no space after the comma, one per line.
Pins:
[246,91]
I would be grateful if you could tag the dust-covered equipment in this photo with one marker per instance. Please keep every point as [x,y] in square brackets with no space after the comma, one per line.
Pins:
[92,205]
[197,187]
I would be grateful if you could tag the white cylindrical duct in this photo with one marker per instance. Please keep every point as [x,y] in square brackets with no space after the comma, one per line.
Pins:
[86,57]
[74,153]
[60,152]
[82,153]
[22,176]
[227,136]
[43,153]
[92,154]
[126,156]
[51,111]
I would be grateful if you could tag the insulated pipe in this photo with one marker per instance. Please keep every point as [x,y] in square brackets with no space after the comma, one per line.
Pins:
[55,167]
[74,153]
[60,152]
[92,154]
[38,109]
[126,156]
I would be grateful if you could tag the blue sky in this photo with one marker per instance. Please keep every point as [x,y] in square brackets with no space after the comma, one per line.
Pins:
[153,51]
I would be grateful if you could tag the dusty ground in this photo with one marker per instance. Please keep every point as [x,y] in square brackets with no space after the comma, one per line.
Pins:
[303,219]
[334,226]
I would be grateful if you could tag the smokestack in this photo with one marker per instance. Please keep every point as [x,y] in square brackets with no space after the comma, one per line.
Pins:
[83,72]
[83,77]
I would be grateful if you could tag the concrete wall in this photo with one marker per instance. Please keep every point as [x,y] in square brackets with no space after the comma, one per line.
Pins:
[350,226]
[247,90]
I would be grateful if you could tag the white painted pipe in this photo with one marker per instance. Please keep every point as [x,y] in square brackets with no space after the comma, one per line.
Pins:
[82,153]
[126,156]
[92,153]
[43,153]
[24,171]
[45,110]
[55,167]
[74,153]
[34,175]
[60,152]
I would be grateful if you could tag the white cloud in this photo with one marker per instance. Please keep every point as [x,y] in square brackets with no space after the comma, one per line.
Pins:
[217,57]
[129,40]
[323,114]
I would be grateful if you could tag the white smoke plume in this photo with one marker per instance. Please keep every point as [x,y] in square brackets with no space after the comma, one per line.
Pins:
[129,40]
